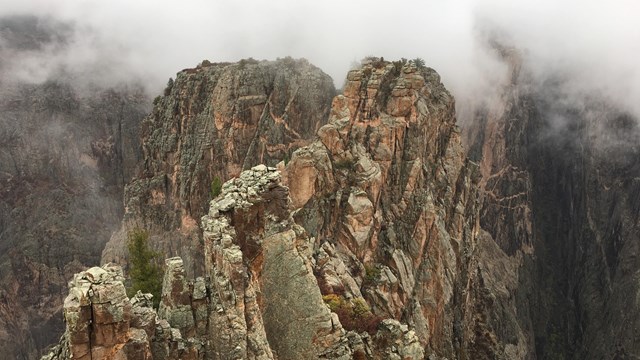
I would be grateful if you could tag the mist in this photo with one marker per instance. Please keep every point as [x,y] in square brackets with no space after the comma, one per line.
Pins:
[593,47]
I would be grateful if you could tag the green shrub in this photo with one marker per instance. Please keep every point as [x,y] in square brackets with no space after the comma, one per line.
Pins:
[167,89]
[397,67]
[344,164]
[334,301]
[372,274]
[216,187]
[244,62]
[144,266]
[360,308]
[419,63]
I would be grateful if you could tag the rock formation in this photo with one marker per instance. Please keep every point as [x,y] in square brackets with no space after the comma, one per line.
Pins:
[102,323]
[212,122]
[259,299]
[393,201]
[370,252]
[380,238]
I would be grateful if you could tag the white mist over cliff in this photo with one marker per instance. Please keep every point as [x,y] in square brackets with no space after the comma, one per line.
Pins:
[592,46]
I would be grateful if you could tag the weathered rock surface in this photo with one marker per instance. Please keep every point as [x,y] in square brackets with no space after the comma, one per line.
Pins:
[265,300]
[102,323]
[212,122]
[384,225]
[390,198]
[380,239]
[259,299]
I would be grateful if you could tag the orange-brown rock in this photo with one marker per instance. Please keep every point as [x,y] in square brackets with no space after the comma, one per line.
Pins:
[394,201]
[103,323]
[212,122]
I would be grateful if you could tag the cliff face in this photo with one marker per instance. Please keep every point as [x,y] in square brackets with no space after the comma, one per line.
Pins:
[388,194]
[66,152]
[378,238]
[561,193]
[366,248]
[212,122]
[64,159]
[259,299]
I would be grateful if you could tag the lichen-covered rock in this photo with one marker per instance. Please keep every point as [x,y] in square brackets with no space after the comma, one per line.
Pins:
[265,299]
[175,304]
[102,323]
[395,341]
[372,241]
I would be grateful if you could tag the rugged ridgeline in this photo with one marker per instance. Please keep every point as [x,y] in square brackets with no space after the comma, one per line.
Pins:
[258,300]
[65,154]
[380,239]
[561,183]
[212,122]
[366,248]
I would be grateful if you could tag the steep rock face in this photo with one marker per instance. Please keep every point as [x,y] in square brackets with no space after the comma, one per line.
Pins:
[212,122]
[264,295]
[67,147]
[498,138]
[259,299]
[374,250]
[561,195]
[388,194]
[64,158]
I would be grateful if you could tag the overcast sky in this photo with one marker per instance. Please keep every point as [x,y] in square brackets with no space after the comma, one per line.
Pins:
[596,43]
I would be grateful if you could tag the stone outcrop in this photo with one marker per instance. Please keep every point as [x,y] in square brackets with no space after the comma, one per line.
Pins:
[259,299]
[264,294]
[388,194]
[102,323]
[211,123]
[381,223]
[379,239]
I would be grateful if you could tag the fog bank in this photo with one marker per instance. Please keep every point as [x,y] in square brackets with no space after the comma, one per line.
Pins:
[595,48]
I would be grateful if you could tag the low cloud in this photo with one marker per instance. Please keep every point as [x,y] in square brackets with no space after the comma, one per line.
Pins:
[593,46]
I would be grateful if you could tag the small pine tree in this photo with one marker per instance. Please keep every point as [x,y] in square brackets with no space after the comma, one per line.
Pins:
[167,90]
[144,268]
[216,187]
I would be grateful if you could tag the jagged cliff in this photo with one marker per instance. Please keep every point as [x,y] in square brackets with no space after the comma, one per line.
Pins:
[212,122]
[366,249]
[388,194]
[259,299]
[382,237]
